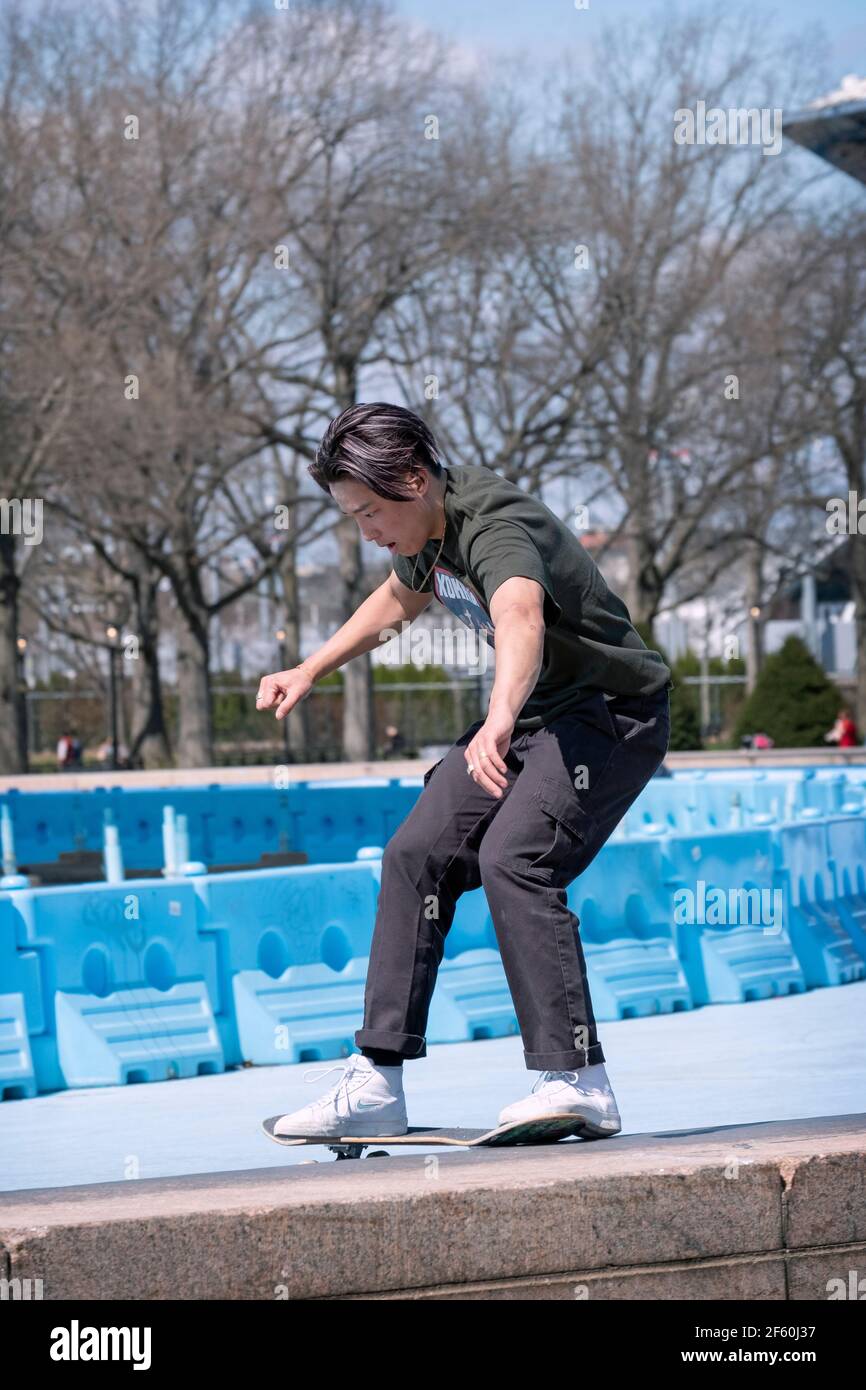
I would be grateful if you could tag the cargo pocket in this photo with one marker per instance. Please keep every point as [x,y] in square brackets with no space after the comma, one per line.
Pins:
[571,829]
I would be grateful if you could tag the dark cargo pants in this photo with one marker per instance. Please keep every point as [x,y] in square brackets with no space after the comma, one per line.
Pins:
[569,785]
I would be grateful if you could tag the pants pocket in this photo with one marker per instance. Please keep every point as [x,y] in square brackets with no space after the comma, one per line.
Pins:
[429,773]
[630,716]
[568,828]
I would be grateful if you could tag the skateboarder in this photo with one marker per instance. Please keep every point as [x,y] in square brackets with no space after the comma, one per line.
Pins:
[577,723]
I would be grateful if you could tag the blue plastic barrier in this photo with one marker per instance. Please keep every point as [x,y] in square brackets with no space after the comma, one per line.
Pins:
[665,804]
[733,917]
[327,820]
[125,982]
[17,1075]
[471,1000]
[45,823]
[226,824]
[338,816]
[269,966]
[846,857]
[292,947]
[21,1012]
[824,945]
[626,927]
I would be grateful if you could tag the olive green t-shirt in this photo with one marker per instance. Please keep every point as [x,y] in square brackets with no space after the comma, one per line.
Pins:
[494,531]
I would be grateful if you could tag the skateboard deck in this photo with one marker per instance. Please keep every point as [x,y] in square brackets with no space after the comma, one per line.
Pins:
[548,1130]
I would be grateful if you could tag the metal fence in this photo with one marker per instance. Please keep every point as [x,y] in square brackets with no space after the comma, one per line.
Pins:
[424,714]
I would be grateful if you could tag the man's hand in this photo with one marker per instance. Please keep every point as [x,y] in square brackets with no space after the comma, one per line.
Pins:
[485,753]
[283,689]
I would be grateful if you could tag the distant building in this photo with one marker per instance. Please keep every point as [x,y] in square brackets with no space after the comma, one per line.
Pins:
[819,608]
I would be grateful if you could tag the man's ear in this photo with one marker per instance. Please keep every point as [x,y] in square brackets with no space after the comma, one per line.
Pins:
[419,479]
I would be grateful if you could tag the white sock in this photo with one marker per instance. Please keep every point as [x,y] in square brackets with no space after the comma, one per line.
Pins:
[393,1075]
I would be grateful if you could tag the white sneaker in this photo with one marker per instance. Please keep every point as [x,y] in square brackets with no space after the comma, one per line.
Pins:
[585,1093]
[367,1100]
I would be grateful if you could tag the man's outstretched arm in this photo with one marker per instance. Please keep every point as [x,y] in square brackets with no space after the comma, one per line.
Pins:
[386,608]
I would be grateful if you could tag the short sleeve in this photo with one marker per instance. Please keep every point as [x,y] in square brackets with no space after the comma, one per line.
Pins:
[502,550]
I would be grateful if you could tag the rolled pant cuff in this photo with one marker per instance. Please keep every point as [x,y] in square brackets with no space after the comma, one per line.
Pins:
[564,1061]
[407,1044]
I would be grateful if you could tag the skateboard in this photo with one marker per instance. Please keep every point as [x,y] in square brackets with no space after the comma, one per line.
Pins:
[541,1131]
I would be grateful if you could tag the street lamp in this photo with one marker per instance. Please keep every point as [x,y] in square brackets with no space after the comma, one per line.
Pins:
[111,634]
[753,654]
[21,644]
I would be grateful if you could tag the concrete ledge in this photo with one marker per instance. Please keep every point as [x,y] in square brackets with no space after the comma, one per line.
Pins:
[766,1211]
[743,758]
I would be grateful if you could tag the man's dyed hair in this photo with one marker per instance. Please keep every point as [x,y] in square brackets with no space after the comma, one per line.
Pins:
[377,444]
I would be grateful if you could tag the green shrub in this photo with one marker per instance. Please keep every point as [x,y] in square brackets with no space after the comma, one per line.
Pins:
[726,701]
[685,715]
[793,701]
[685,718]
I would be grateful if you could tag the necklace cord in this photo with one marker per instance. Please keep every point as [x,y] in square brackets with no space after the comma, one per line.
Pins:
[432,567]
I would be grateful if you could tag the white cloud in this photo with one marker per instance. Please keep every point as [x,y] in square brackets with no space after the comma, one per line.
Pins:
[852,88]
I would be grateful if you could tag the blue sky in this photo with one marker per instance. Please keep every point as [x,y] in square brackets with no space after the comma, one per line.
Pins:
[542,29]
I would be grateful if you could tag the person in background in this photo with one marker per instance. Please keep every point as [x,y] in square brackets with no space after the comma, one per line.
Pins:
[762,740]
[395,743]
[844,731]
[65,751]
[104,755]
[75,758]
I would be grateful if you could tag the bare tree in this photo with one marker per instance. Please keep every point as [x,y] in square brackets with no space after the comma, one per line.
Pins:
[220,228]
[372,217]
[35,392]
[668,229]
[499,344]
[168,282]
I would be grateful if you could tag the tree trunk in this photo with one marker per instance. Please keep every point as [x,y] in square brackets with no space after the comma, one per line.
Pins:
[754,629]
[195,732]
[150,744]
[853,451]
[13,739]
[644,591]
[299,717]
[357,674]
